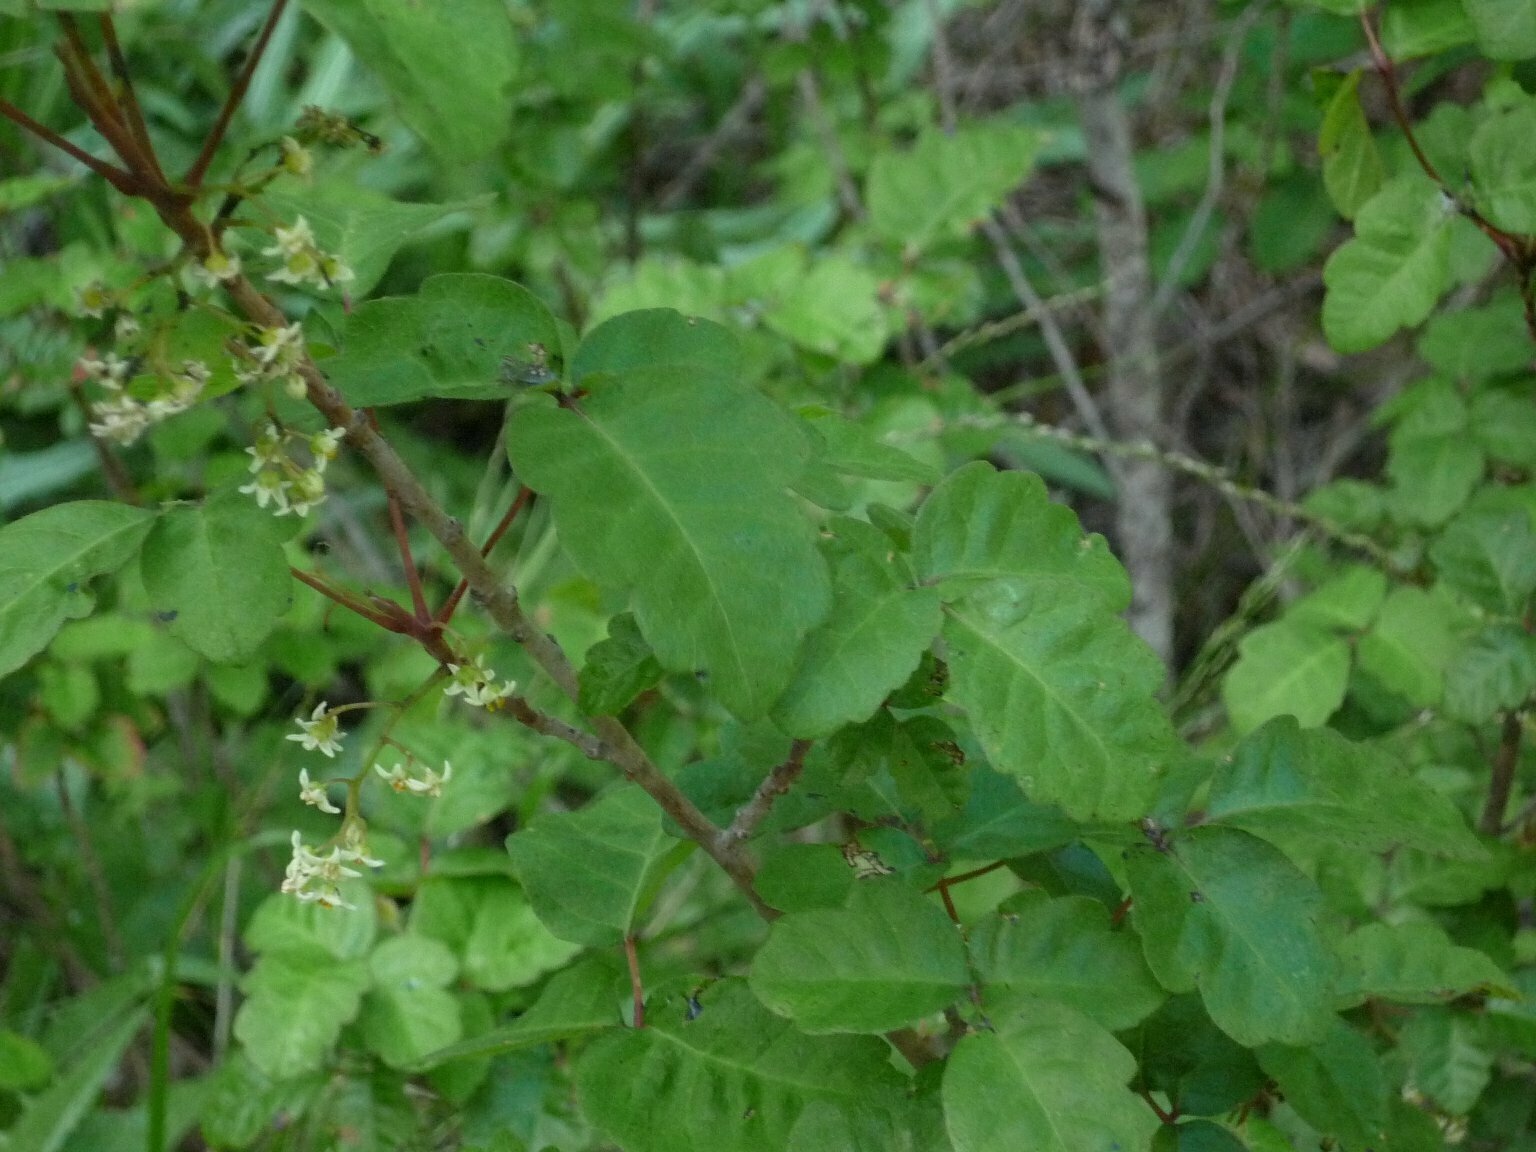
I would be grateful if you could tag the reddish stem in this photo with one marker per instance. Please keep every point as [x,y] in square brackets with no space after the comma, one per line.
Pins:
[195,174]
[133,114]
[971,875]
[451,605]
[949,903]
[632,958]
[412,577]
[123,181]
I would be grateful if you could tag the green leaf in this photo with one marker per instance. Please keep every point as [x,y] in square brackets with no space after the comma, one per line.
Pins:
[580,1001]
[698,527]
[1489,557]
[653,347]
[1282,781]
[1477,343]
[1062,696]
[589,873]
[1048,1079]
[488,922]
[1495,671]
[617,669]
[297,1001]
[449,68]
[835,310]
[1424,27]
[1353,171]
[1224,912]
[25,1065]
[732,1078]
[47,558]
[945,183]
[854,450]
[876,632]
[1000,822]
[54,1114]
[1290,668]
[1432,476]
[1336,1084]
[1393,271]
[981,525]
[1348,601]
[365,228]
[448,340]
[283,924]
[1449,1056]
[1064,950]
[1505,426]
[1409,646]
[1413,963]
[885,959]
[1506,29]
[1201,1069]
[408,1012]
[218,574]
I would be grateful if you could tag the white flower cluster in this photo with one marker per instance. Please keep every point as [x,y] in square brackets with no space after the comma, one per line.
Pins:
[121,417]
[275,355]
[477,684]
[430,783]
[316,878]
[302,261]
[290,487]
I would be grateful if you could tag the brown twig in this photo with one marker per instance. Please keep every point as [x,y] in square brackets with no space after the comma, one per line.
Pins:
[133,113]
[530,717]
[407,561]
[1504,762]
[237,91]
[756,810]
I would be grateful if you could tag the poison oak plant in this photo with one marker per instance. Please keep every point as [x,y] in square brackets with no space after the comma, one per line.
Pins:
[841,808]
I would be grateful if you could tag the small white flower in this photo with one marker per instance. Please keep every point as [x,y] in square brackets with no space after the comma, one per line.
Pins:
[93,299]
[313,793]
[294,385]
[306,490]
[269,485]
[214,269]
[321,731]
[489,696]
[430,784]
[126,327]
[467,677]
[302,261]
[323,446]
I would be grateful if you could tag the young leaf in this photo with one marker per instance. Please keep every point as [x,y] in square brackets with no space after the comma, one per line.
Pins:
[673,489]
[876,632]
[1282,781]
[1352,168]
[489,923]
[1048,1079]
[590,872]
[1506,29]
[1413,963]
[1289,668]
[1336,1084]
[833,309]
[723,1074]
[46,560]
[1061,696]
[885,959]
[1494,671]
[217,572]
[408,1011]
[1489,557]
[945,183]
[1065,951]
[981,525]
[1410,644]
[1390,275]
[618,669]
[1449,1055]
[449,70]
[297,1001]
[449,340]
[1224,912]
[582,1000]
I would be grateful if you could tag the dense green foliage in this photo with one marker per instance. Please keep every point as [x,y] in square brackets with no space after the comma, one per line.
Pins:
[594,455]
